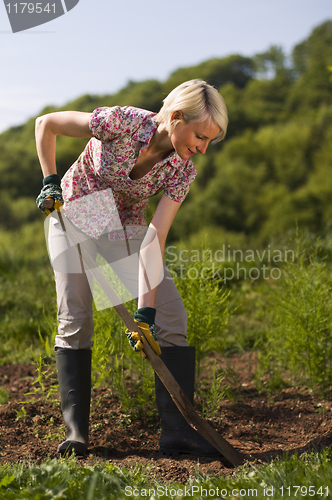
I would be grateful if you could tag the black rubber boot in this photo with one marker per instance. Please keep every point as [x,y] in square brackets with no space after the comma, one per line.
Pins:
[177,436]
[74,376]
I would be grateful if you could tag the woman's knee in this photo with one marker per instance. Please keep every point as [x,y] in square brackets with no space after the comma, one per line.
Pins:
[75,333]
[171,324]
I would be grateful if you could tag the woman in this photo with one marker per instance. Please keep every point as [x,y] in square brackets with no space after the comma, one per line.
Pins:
[132,155]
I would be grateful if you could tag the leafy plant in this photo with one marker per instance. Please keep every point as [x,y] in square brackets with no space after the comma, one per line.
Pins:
[4,395]
[116,364]
[213,391]
[21,414]
[43,374]
[206,304]
[299,339]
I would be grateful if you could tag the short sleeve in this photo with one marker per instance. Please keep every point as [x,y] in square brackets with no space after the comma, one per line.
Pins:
[108,123]
[178,186]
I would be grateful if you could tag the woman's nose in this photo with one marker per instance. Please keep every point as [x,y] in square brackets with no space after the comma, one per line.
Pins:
[202,148]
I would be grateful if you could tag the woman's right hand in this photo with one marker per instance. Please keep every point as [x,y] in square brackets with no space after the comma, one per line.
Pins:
[51,189]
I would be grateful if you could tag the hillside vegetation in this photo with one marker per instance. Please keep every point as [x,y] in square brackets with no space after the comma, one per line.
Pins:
[272,170]
[250,253]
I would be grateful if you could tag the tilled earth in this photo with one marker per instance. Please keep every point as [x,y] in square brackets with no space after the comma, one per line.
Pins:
[257,425]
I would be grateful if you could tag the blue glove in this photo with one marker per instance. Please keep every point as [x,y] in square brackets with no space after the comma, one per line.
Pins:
[51,189]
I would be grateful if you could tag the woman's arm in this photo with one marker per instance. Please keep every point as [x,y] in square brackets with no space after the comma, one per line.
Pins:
[150,263]
[69,123]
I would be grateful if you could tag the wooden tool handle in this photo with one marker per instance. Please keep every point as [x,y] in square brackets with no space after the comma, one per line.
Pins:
[48,203]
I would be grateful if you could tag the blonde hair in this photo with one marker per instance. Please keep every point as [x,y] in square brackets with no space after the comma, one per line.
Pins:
[196,100]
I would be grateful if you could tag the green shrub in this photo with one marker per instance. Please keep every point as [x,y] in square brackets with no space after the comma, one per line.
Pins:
[299,337]
[206,304]
[116,364]
[26,292]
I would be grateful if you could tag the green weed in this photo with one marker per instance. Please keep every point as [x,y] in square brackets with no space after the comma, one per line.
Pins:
[117,365]
[4,395]
[26,292]
[43,375]
[213,392]
[52,437]
[207,306]
[21,414]
[299,339]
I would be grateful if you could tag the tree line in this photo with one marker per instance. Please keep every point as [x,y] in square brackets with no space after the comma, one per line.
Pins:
[272,170]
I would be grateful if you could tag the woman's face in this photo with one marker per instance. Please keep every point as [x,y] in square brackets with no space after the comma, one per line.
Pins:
[189,138]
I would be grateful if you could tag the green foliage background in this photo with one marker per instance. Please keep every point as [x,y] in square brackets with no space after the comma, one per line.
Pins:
[272,169]
[272,172]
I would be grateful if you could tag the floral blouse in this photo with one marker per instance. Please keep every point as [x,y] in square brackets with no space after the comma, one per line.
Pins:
[98,192]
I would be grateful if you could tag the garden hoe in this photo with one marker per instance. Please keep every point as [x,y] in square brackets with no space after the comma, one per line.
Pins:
[179,397]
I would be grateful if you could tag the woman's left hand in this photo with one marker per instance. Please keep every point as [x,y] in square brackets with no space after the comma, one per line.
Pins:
[145,319]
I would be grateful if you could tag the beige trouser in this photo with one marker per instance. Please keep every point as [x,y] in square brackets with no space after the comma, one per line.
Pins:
[75,296]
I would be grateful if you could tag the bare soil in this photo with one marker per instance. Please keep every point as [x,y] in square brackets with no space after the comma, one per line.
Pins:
[255,424]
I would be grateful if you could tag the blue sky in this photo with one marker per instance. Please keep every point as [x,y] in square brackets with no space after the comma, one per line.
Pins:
[100,44]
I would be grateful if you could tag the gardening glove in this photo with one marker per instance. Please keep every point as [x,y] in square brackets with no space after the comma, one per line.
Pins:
[145,318]
[51,189]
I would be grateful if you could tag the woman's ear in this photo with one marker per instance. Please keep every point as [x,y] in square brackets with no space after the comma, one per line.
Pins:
[176,115]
